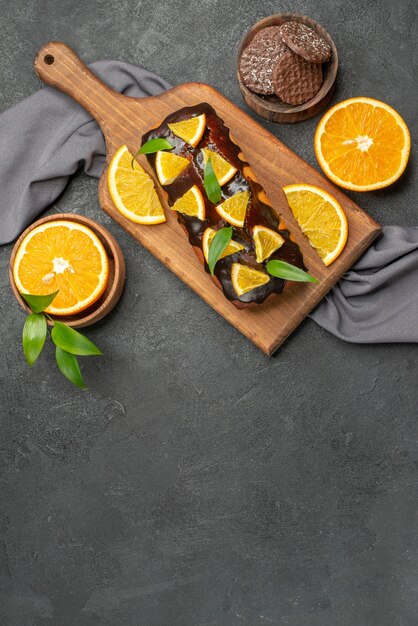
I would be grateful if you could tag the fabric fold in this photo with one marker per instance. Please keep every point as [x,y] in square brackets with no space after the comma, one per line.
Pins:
[376,301]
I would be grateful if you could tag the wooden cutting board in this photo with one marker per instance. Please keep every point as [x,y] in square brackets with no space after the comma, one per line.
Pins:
[124,120]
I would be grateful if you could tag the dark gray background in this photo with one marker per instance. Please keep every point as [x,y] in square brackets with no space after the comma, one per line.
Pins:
[200,482]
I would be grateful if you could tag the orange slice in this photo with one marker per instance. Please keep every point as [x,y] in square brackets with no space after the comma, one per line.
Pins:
[191,203]
[234,209]
[231,248]
[266,242]
[362,144]
[320,217]
[132,190]
[65,256]
[246,278]
[190,130]
[224,171]
[168,166]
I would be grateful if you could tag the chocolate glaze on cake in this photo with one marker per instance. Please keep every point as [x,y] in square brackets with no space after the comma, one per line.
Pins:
[259,211]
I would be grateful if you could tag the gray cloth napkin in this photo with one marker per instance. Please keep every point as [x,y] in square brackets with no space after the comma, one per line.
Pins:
[48,137]
[376,301]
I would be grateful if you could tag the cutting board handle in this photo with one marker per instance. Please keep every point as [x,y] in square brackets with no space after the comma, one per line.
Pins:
[58,65]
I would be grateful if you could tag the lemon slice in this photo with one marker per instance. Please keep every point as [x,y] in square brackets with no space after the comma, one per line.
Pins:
[231,248]
[246,278]
[66,257]
[132,190]
[168,166]
[191,203]
[234,209]
[320,217]
[190,130]
[266,242]
[224,171]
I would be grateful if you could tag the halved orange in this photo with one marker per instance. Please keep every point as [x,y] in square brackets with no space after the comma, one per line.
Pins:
[132,190]
[168,166]
[231,248]
[245,278]
[224,171]
[362,144]
[234,209]
[66,256]
[191,203]
[191,130]
[320,217]
[266,242]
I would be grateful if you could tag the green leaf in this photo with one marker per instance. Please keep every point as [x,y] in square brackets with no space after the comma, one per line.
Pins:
[281,269]
[218,245]
[68,366]
[72,341]
[153,145]
[33,336]
[38,304]
[210,183]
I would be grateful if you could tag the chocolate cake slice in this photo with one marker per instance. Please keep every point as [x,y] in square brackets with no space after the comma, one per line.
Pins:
[259,211]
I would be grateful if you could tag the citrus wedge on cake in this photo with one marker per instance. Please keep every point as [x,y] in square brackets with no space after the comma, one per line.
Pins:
[362,144]
[168,166]
[224,171]
[191,130]
[320,217]
[62,256]
[132,190]
[207,238]
[266,242]
[245,278]
[234,209]
[191,203]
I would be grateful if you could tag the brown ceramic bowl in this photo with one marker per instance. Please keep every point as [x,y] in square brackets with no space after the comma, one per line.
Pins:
[117,273]
[270,107]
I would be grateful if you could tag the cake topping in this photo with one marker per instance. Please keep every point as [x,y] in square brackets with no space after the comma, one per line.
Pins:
[190,130]
[226,234]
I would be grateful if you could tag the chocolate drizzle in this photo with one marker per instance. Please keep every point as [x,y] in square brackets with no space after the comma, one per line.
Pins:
[216,137]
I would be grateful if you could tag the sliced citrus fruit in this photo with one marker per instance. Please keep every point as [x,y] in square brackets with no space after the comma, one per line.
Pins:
[320,217]
[362,144]
[266,241]
[190,130]
[132,190]
[246,278]
[191,203]
[66,256]
[224,171]
[168,166]
[231,248]
[234,209]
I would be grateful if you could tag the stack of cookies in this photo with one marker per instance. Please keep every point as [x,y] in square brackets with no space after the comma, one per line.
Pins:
[286,61]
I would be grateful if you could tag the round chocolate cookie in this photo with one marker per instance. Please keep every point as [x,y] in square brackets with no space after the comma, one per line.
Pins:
[296,80]
[259,58]
[305,42]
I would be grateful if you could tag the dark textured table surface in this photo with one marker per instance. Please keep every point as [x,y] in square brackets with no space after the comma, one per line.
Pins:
[199,482]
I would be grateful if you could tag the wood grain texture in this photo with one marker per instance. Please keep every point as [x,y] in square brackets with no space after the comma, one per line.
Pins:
[117,272]
[123,120]
[270,107]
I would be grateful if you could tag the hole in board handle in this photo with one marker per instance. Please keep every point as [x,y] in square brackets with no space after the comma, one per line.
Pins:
[49,59]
